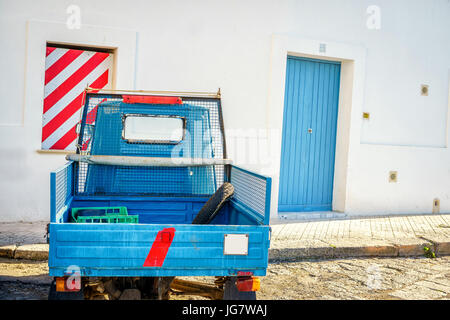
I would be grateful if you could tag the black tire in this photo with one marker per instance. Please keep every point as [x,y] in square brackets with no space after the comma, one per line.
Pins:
[232,293]
[55,295]
[213,205]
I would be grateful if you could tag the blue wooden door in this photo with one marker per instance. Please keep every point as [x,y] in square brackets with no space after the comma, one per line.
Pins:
[309,135]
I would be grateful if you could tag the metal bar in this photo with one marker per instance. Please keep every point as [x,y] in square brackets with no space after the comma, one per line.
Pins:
[222,126]
[166,93]
[260,176]
[61,212]
[53,197]
[268,198]
[147,161]
[54,151]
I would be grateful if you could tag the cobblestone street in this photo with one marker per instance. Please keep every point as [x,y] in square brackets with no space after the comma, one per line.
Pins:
[375,278]
[23,280]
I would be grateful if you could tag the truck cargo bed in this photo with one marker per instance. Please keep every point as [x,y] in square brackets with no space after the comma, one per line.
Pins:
[110,249]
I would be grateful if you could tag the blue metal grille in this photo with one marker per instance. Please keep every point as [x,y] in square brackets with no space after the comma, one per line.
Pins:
[89,117]
[211,105]
[62,189]
[102,134]
[252,190]
[165,181]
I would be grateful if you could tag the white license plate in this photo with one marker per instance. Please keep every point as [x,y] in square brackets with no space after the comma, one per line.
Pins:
[235,244]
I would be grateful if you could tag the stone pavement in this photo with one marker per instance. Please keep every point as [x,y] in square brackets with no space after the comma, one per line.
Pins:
[19,233]
[386,227]
[387,236]
[295,240]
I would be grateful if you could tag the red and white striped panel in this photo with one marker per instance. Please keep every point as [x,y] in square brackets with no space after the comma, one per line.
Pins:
[67,74]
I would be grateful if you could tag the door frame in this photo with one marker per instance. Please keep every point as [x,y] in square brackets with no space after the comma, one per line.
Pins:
[352,58]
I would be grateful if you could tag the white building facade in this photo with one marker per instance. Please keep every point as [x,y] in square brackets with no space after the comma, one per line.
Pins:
[392,151]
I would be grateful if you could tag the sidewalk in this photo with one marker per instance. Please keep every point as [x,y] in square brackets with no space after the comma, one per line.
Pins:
[24,240]
[19,233]
[295,240]
[377,236]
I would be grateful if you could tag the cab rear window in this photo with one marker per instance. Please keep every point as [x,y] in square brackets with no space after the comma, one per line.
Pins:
[142,128]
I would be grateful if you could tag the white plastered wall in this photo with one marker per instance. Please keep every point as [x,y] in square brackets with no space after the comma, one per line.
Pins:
[361,183]
[350,103]
[209,44]
[25,170]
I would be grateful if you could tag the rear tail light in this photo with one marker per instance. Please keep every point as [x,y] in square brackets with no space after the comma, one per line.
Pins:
[67,284]
[248,284]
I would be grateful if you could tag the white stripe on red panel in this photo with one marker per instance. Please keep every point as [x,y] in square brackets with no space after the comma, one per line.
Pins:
[67,72]
[74,79]
[75,91]
[73,107]
[58,133]
[54,56]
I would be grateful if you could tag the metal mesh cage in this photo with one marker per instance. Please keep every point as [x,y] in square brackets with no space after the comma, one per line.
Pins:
[251,189]
[94,179]
[94,100]
[63,189]
[102,133]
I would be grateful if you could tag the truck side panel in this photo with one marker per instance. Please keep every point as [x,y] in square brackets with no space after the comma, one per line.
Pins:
[61,192]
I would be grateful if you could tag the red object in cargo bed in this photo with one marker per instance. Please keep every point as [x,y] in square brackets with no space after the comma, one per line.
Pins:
[151,99]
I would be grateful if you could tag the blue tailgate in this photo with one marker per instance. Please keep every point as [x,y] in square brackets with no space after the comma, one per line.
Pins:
[121,250]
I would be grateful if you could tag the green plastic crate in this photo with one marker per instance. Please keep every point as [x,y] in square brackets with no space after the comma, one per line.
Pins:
[111,215]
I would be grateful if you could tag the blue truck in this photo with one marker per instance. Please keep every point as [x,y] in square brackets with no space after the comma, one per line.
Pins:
[124,207]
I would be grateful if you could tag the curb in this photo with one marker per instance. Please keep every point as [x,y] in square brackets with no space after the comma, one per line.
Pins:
[408,248]
[37,252]
[285,250]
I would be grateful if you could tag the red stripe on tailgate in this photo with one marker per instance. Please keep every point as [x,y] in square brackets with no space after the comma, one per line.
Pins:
[161,245]
[74,79]
[66,59]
